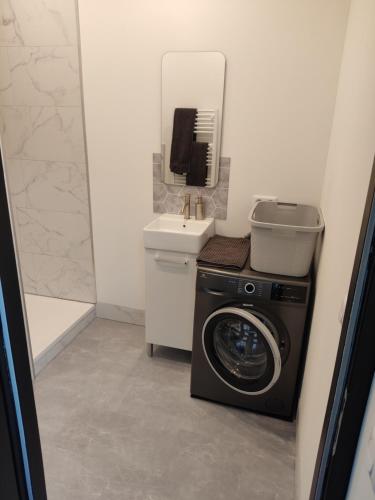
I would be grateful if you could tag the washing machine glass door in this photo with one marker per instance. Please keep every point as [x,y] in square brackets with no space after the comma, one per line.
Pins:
[241,350]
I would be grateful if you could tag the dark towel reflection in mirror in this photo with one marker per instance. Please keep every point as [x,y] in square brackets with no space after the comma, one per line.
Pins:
[188,157]
[182,139]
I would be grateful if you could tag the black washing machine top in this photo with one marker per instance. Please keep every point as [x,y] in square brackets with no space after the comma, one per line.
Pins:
[250,283]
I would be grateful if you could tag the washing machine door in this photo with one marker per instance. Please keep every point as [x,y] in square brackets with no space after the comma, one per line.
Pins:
[242,350]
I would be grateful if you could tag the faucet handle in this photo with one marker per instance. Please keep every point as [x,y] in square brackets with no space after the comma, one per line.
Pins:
[185,198]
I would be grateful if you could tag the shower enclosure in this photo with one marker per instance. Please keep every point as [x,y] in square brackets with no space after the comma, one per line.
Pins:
[43,150]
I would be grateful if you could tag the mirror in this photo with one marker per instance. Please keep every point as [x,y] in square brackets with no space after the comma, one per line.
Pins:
[191,118]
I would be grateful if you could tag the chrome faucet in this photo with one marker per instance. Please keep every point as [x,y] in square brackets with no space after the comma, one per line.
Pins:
[185,210]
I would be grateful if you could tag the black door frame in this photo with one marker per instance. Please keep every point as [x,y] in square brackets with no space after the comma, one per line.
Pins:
[16,383]
[11,475]
[354,370]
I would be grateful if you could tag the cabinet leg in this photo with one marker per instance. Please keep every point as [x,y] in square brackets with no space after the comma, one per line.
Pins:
[150,349]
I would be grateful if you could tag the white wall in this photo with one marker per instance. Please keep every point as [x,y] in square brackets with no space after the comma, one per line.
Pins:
[349,163]
[282,69]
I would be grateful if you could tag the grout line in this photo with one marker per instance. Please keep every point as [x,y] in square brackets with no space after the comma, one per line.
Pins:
[17,207]
[56,257]
[22,158]
[31,46]
[40,105]
[64,163]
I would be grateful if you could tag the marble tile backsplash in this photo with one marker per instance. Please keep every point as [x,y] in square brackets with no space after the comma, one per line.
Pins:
[38,23]
[41,129]
[169,198]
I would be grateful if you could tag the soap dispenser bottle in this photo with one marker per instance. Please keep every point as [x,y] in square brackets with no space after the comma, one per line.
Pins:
[199,208]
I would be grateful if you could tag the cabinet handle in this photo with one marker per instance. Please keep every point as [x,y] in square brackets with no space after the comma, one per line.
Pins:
[171,260]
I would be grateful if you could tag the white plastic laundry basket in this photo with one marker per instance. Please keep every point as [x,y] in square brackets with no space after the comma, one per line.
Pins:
[283,237]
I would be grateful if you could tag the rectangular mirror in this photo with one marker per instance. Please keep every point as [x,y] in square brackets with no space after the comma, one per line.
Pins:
[191,118]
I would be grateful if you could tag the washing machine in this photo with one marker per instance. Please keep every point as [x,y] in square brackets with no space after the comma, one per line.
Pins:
[249,339]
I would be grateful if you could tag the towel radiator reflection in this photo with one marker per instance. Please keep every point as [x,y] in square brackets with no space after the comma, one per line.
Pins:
[206,130]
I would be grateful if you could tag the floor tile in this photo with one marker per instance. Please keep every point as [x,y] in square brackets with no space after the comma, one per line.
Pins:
[116,424]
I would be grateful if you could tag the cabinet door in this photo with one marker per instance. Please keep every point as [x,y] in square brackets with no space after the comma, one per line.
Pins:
[170,296]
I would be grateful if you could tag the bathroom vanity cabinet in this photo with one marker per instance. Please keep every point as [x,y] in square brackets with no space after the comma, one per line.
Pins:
[172,244]
[170,296]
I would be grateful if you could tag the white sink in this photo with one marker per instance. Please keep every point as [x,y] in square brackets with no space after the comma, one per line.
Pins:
[174,233]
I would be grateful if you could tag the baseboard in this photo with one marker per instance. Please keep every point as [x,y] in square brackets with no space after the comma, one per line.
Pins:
[120,313]
[45,357]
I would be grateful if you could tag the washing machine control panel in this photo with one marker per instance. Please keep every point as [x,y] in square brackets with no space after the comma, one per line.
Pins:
[288,293]
[234,285]
[248,287]
[253,288]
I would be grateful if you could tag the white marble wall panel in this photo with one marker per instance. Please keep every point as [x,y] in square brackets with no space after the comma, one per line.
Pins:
[8,25]
[38,22]
[45,76]
[15,130]
[5,78]
[15,183]
[58,277]
[48,185]
[41,129]
[54,233]
[42,133]
[55,134]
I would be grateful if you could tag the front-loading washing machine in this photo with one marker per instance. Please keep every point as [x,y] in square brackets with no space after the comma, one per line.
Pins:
[249,337]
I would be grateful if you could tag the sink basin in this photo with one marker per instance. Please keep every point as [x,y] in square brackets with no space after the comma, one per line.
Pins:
[174,233]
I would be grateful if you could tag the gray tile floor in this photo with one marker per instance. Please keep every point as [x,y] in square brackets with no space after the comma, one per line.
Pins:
[116,424]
